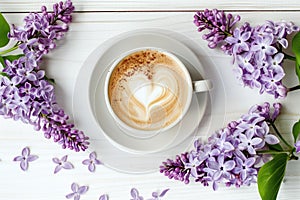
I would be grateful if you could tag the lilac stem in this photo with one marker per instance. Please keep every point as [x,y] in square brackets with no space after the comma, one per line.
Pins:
[280,136]
[9,50]
[286,56]
[271,152]
[297,87]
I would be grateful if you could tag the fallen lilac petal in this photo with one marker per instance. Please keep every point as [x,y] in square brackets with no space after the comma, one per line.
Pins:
[25,158]
[62,164]
[103,197]
[82,189]
[163,193]
[77,191]
[135,194]
[92,162]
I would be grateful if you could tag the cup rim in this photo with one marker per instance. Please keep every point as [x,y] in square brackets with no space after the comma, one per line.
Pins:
[124,126]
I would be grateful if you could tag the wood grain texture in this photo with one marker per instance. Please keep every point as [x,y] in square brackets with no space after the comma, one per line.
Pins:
[154,5]
[88,31]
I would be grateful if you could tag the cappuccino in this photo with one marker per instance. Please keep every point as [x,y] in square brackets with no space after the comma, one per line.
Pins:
[149,90]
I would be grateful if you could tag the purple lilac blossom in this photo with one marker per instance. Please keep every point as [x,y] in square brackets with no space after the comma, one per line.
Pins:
[157,195]
[135,194]
[92,162]
[257,51]
[297,146]
[218,23]
[25,92]
[77,191]
[230,156]
[177,170]
[62,164]
[103,197]
[25,158]
[42,30]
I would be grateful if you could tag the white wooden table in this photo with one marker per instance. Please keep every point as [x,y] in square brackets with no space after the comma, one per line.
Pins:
[95,22]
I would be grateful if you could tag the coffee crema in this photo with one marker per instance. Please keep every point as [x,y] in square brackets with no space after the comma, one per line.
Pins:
[148,90]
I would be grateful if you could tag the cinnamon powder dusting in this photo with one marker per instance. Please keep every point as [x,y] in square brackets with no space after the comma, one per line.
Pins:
[142,62]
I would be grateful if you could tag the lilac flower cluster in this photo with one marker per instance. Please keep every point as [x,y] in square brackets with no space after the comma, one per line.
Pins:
[25,92]
[231,155]
[256,50]
[218,23]
[42,30]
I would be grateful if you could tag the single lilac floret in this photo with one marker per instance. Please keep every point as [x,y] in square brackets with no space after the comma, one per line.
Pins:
[103,197]
[244,167]
[192,164]
[244,61]
[220,168]
[158,196]
[275,62]
[239,41]
[77,191]
[135,194]
[62,164]
[92,162]
[25,158]
[248,142]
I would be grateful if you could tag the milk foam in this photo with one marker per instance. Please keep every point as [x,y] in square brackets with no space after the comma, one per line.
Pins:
[147,90]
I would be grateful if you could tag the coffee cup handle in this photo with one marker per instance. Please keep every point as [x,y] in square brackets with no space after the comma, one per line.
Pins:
[202,85]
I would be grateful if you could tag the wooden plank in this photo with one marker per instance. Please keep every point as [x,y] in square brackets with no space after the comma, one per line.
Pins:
[153,5]
[87,32]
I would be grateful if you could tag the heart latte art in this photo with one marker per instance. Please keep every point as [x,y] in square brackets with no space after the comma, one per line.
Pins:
[148,90]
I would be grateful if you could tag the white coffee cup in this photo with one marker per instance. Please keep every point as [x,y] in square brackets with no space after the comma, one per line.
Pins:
[149,90]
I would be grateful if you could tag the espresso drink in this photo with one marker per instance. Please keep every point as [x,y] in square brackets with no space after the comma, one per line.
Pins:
[148,90]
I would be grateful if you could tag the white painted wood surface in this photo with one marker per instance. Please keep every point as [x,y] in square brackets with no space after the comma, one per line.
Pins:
[96,22]
[155,5]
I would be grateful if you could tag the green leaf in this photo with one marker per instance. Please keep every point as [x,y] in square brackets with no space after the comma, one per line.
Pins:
[270,177]
[296,51]
[4,30]
[298,71]
[276,147]
[296,46]
[296,130]
[12,57]
[2,61]
[50,80]
[4,74]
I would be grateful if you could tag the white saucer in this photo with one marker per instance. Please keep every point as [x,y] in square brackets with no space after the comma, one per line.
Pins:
[128,142]
[116,149]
